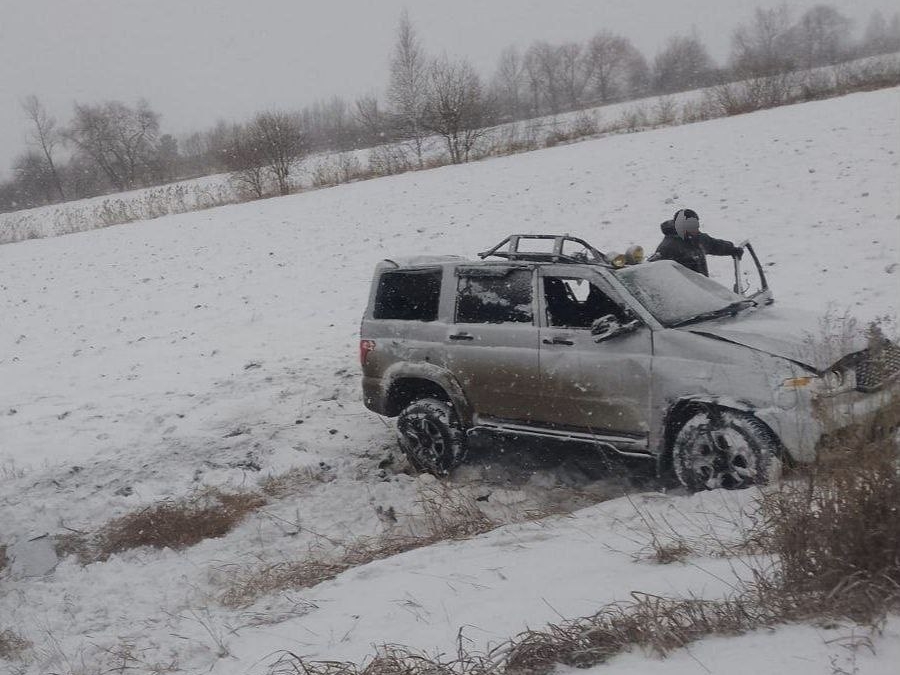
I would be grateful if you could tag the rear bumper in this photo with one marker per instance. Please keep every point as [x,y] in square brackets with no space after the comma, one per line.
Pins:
[374,396]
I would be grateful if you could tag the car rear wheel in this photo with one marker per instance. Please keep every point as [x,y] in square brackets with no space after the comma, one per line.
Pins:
[430,434]
[724,449]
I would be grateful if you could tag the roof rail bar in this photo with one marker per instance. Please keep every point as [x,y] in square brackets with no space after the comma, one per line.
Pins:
[512,252]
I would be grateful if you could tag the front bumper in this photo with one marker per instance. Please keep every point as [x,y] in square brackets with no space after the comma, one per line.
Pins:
[803,425]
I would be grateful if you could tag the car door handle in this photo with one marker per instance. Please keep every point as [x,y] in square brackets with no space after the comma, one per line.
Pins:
[462,336]
[558,341]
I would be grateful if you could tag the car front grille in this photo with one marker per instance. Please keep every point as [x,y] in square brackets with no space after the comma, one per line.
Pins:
[878,365]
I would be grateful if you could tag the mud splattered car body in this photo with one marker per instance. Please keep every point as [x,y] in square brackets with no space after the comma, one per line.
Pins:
[645,360]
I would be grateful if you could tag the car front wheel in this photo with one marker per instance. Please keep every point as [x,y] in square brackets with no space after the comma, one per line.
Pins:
[724,449]
[430,434]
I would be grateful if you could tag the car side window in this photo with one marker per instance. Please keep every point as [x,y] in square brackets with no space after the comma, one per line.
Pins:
[410,295]
[497,298]
[576,303]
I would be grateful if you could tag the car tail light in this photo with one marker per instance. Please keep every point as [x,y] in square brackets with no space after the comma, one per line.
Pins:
[365,347]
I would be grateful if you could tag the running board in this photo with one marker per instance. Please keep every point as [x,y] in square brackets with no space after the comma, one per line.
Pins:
[635,448]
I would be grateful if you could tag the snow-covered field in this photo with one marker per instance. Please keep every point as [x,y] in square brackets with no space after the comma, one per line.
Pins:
[218,348]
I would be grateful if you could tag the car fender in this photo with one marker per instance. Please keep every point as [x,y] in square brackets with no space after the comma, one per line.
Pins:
[796,441]
[436,375]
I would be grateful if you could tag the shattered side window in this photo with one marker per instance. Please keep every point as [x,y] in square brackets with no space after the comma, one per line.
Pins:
[495,299]
[577,303]
[410,295]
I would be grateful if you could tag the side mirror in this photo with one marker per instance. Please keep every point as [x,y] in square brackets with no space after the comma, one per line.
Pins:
[608,326]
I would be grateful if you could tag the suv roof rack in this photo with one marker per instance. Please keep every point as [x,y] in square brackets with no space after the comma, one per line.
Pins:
[512,252]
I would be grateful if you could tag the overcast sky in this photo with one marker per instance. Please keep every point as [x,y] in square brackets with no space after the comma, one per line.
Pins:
[197,61]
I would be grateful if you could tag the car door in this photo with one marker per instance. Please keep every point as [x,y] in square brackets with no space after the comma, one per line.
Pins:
[492,342]
[591,384]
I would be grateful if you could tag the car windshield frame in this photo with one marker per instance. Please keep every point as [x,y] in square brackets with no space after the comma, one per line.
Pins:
[675,295]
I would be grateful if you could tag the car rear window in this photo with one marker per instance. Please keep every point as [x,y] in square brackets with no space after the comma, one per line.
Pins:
[503,297]
[411,295]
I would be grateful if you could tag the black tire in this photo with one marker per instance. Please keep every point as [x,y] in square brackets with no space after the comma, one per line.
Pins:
[718,448]
[430,434]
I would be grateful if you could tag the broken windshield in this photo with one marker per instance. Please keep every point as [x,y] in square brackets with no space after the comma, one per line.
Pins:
[674,294]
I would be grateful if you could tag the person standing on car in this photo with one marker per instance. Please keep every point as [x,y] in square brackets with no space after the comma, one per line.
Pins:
[684,243]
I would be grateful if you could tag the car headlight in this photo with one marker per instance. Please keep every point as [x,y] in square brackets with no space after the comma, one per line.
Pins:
[798,382]
[829,383]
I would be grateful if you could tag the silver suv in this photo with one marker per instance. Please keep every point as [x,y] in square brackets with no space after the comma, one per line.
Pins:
[546,338]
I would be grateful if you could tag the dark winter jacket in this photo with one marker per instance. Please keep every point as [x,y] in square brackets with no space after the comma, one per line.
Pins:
[691,252]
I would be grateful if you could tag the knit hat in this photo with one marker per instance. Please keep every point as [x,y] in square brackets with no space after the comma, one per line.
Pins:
[687,222]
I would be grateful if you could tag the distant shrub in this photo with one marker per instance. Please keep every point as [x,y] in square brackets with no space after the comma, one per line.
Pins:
[513,138]
[583,126]
[389,159]
[634,118]
[665,112]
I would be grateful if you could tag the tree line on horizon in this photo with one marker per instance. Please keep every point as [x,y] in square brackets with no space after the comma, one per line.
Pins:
[112,146]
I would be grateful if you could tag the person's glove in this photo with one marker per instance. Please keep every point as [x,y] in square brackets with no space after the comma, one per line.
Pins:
[738,252]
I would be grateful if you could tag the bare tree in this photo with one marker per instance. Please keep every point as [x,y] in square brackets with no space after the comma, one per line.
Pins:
[370,117]
[609,57]
[543,64]
[45,136]
[281,143]
[532,71]
[763,47]
[457,109]
[245,161]
[328,125]
[508,81]
[117,138]
[638,75]
[35,182]
[821,36]
[683,64]
[407,91]
[881,36]
[574,71]
[166,160]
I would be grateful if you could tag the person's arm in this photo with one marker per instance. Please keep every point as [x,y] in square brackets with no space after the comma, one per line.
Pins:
[715,246]
[662,251]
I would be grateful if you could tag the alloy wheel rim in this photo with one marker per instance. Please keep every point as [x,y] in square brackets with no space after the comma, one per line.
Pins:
[722,457]
[426,442]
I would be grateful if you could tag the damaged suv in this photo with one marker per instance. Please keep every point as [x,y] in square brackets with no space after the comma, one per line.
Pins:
[546,338]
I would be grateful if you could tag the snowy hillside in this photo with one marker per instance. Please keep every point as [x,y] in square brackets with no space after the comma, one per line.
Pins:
[219,349]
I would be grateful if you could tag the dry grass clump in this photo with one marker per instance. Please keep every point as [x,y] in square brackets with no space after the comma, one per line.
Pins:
[292,481]
[12,644]
[388,660]
[655,623]
[668,552]
[447,514]
[249,584]
[836,534]
[174,524]
[450,513]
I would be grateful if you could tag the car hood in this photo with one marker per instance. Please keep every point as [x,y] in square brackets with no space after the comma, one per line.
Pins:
[803,337]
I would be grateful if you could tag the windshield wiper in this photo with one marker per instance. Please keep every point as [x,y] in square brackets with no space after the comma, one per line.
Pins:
[728,310]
